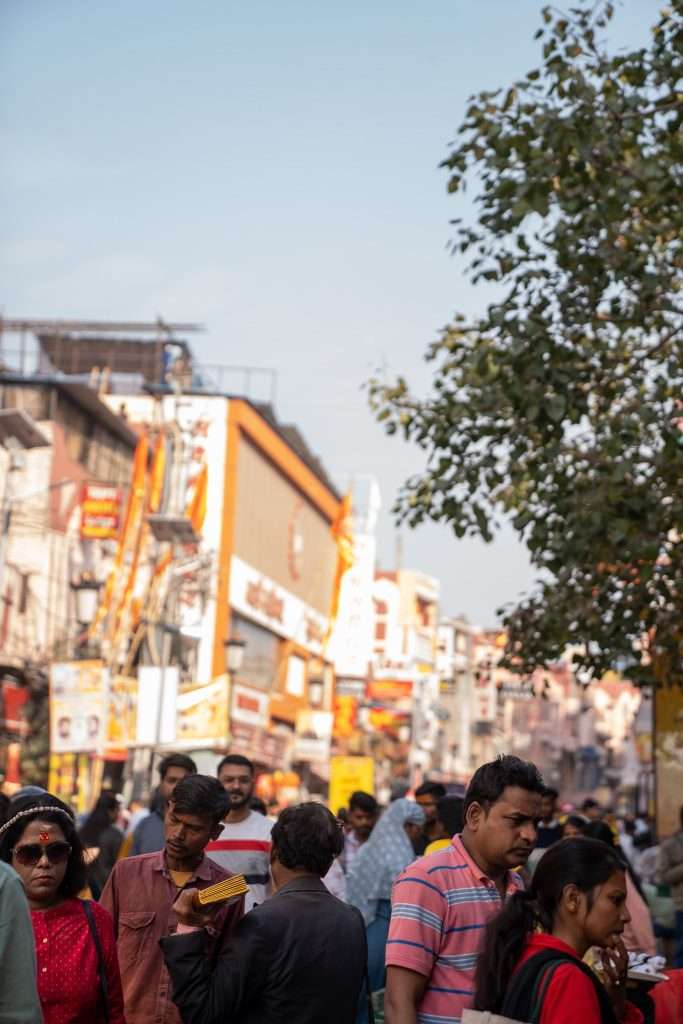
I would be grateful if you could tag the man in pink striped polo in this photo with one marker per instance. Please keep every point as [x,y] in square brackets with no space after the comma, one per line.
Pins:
[243,847]
[442,903]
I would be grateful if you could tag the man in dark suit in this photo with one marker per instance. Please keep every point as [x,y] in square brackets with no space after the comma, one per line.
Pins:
[299,958]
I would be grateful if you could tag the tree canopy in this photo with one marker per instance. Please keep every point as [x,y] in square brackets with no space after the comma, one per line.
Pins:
[561,406]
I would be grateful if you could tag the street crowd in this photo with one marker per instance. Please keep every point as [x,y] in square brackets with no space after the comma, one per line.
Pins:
[437,909]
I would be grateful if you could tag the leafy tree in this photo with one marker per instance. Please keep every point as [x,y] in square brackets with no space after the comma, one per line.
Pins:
[560,407]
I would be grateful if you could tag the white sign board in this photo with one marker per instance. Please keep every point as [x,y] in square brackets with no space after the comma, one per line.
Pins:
[156,685]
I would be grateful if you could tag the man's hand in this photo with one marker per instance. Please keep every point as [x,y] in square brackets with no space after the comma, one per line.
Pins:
[187,912]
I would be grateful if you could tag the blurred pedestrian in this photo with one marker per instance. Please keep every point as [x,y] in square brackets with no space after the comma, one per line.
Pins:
[101,840]
[427,796]
[141,891]
[148,837]
[639,936]
[390,848]
[77,970]
[19,1003]
[360,821]
[441,903]
[549,827]
[243,846]
[449,822]
[577,901]
[670,872]
[573,826]
[591,809]
[299,958]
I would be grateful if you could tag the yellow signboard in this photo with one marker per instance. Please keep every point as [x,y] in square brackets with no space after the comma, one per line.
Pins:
[347,774]
[203,713]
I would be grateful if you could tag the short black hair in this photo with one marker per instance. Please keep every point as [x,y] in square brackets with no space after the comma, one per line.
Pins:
[589,803]
[435,789]
[201,795]
[307,838]
[74,880]
[363,802]
[236,759]
[488,782]
[551,792]
[177,761]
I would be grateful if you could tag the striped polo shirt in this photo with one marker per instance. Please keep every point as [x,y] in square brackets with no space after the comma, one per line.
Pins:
[441,905]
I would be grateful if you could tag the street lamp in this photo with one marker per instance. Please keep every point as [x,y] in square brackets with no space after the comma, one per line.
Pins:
[234,654]
[86,591]
[316,691]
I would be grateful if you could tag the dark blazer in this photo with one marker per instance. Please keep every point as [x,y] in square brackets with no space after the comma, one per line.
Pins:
[299,958]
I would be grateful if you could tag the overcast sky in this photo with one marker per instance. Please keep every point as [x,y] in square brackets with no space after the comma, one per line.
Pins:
[269,169]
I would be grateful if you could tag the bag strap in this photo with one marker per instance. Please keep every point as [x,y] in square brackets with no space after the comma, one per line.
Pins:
[539,969]
[541,987]
[101,969]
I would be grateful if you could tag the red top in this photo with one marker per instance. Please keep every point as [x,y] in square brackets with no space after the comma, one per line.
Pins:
[68,981]
[570,996]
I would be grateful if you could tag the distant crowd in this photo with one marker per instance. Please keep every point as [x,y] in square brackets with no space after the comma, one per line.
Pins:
[437,909]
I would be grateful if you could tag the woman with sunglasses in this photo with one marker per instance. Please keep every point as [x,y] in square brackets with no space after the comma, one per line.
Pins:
[77,969]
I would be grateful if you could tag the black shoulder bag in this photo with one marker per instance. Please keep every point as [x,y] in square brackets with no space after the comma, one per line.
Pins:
[101,967]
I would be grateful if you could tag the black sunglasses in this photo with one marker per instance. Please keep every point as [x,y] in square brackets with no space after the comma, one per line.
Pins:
[31,853]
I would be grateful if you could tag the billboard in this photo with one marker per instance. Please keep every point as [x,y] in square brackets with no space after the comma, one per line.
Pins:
[348,774]
[203,713]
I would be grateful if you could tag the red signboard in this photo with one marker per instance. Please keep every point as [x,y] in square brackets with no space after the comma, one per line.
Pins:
[390,689]
[100,512]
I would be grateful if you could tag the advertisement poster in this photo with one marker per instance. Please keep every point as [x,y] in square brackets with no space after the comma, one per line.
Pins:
[669,758]
[121,714]
[347,774]
[313,735]
[77,707]
[203,713]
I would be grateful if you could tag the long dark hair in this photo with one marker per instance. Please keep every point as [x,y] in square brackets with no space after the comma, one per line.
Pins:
[584,863]
[74,880]
[99,818]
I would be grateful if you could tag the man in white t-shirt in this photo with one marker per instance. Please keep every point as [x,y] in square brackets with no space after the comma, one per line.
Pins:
[243,847]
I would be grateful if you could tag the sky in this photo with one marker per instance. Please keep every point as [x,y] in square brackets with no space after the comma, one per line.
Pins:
[270,170]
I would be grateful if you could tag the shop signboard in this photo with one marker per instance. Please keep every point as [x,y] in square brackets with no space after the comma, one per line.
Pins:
[202,713]
[262,600]
[344,687]
[250,706]
[313,735]
[391,691]
[348,774]
[100,512]
[77,707]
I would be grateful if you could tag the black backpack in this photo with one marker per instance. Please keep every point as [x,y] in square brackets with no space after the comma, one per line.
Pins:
[529,984]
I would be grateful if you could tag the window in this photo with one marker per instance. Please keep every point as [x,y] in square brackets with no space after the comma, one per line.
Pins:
[261,654]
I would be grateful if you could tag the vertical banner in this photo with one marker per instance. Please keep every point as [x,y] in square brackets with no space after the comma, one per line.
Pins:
[668,758]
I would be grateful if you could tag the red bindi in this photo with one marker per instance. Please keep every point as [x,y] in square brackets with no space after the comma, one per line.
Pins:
[44,837]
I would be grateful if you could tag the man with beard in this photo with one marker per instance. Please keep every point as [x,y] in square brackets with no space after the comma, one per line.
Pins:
[243,847]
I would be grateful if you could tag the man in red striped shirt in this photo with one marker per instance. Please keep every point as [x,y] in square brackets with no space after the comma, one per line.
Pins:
[243,847]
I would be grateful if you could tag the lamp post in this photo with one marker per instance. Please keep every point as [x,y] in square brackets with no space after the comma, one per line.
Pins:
[86,593]
[233,647]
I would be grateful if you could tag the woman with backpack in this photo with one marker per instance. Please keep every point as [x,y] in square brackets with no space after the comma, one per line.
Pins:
[531,966]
